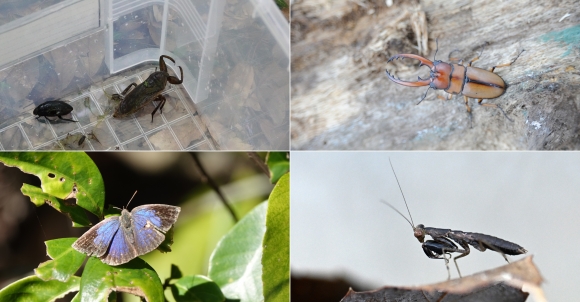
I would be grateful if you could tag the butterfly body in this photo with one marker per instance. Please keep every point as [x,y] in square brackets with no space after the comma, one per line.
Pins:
[119,239]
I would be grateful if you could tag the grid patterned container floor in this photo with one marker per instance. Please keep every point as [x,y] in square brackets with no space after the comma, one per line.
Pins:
[179,127]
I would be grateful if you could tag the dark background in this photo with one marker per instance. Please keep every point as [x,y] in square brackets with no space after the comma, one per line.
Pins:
[167,178]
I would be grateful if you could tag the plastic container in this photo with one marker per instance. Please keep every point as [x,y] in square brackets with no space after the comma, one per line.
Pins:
[234,55]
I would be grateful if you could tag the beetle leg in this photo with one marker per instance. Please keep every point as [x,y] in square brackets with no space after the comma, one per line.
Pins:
[453,58]
[507,64]
[494,106]
[477,58]
[159,106]
[466,99]
[64,119]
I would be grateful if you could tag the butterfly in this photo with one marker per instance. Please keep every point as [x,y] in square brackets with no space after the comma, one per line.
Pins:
[118,239]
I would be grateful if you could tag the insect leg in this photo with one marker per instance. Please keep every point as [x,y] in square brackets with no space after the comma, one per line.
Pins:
[438,248]
[466,99]
[450,58]
[482,242]
[175,80]
[128,87]
[159,106]
[64,119]
[476,58]
[483,245]
[494,106]
[507,64]
[465,253]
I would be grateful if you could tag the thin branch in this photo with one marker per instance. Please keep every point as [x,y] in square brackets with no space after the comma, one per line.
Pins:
[206,179]
[260,162]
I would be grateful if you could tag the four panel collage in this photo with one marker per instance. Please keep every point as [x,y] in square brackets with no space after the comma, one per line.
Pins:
[146,150]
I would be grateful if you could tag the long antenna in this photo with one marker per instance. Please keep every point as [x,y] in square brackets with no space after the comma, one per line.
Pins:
[131,198]
[404,199]
[398,212]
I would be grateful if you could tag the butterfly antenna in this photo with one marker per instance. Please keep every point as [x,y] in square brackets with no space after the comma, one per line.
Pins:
[131,198]
[404,199]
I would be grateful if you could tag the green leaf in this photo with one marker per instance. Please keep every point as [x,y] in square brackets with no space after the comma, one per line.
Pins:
[76,214]
[135,277]
[279,164]
[59,172]
[276,245]
[196,289]
[235,265]
[165,246]
[281,4]
[32,289]
[66,260]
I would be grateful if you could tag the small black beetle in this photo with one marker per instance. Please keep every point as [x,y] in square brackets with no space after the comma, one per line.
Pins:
[53,108]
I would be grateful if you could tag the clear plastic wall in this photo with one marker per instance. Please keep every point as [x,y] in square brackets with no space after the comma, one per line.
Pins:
[234,55]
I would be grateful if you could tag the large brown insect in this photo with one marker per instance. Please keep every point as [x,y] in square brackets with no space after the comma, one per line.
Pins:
[454,78]
[146,92]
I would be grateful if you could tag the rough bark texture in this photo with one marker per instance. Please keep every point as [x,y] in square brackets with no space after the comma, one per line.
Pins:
[508,283]
[342,99]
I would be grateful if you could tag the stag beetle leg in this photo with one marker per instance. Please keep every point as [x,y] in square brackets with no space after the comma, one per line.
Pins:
[466,99]
[494,106]
[507,64]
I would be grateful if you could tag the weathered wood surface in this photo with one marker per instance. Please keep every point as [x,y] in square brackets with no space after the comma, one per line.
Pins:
[342,99]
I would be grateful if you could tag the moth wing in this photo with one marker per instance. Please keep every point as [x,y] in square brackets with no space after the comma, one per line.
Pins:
[96,240]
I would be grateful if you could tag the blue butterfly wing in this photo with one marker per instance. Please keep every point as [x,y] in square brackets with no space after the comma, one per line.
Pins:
[122,248]
[150,222]
[96,240]
[119,239]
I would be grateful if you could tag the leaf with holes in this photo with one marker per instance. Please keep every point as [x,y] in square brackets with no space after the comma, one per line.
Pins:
[63,175]
[135,277]
[76,214]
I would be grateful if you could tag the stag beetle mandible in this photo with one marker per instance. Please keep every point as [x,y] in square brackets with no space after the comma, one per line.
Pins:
[454,78]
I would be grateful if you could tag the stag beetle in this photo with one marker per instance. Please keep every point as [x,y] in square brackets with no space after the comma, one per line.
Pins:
[454,78]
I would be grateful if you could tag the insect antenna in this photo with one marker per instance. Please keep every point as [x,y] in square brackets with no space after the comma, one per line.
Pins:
[392,207]
[398,212]
[131,199]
